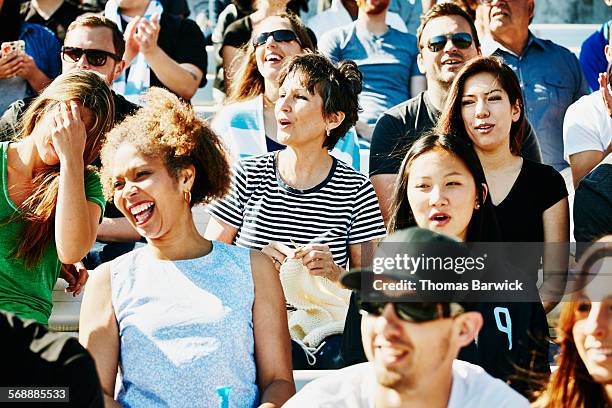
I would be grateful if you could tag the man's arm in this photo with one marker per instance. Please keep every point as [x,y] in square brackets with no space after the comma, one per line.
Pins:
[582,163]
[117,230]
[181,78]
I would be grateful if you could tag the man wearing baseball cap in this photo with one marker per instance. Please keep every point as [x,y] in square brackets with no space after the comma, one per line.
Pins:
[411,344]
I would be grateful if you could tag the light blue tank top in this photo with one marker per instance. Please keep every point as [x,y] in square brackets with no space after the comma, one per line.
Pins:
[185,328]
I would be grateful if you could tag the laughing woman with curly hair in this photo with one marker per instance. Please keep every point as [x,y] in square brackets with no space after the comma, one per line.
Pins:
[197,313]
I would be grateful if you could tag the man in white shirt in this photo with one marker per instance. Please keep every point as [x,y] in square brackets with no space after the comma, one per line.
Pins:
[411,349]
[587,127]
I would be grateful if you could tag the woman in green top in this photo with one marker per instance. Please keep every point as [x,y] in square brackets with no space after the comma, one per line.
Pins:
[51,202]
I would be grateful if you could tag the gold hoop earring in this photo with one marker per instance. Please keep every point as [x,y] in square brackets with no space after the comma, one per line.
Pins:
[187,196]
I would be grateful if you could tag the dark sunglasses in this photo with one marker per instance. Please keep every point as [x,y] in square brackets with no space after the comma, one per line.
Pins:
[415,311]
[95,58]
[278,35]
[438,42]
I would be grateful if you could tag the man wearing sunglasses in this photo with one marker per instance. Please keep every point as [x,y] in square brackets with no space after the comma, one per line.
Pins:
[385,56]
[551,76]
[92,43]
[447,39]
[411,346]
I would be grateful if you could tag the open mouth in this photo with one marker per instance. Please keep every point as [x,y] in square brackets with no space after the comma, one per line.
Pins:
[452,62]
[440,218]
[391,355]
[142,212]
[273,58]
[283,123]
[599,354]
[484,128]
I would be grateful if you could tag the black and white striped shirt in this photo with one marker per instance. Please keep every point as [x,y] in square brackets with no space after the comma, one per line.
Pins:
[342,210]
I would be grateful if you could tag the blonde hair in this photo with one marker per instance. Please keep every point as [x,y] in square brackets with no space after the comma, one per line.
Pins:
[38,210]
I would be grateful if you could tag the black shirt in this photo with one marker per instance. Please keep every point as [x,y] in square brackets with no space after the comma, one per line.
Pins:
[59,21]
[537,188]
[34,357]
[593,205]
[401,125]
[183,41]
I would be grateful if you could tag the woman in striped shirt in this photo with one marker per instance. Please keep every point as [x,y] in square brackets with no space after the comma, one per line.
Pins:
[302,193]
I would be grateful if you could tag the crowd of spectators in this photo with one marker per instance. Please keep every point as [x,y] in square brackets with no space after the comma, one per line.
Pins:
[474,131]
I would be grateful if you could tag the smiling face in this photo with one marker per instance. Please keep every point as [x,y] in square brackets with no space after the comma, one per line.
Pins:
[270,56]
[506,16]
[441,193]
[299,114]
[97,38]
[42,133]
[487,112]
[442,66]
[592,330]
[146,193]
[402,352]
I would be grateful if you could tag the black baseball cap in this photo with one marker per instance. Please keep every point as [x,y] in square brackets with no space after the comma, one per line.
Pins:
[421,245]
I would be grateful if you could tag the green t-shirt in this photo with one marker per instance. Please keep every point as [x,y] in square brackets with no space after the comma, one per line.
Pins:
[27,292]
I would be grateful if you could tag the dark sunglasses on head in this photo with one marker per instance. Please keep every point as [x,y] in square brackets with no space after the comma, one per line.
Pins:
[414,311]
[95,58]
[278,35]
[438,42]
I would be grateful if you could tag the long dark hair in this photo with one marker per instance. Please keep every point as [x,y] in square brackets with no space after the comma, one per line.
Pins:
[11,21]
[483,225]
[451,121]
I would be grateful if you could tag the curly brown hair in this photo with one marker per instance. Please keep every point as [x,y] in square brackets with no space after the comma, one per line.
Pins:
[168,128]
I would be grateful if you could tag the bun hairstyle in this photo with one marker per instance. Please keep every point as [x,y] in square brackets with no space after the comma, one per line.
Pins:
[339,86]
[168,128]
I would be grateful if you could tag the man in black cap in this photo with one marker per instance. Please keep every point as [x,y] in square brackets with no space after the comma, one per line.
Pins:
[411,345]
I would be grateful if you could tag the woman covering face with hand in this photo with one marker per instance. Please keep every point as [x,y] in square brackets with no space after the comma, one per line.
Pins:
[52,204]
[302,194]
[196,313]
